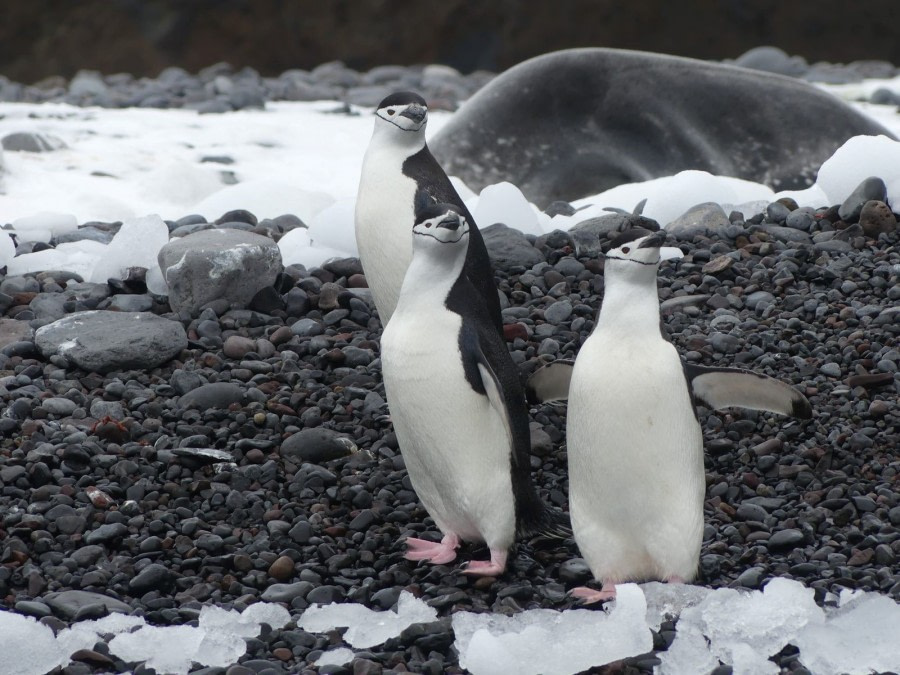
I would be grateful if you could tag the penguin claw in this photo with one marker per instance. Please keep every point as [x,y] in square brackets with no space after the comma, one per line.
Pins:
[438,553]
[590,596]
[487,568]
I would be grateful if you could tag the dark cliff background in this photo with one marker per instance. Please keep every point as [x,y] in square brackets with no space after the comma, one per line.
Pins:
[39,38]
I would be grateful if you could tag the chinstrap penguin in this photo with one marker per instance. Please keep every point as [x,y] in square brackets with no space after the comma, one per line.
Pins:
[398,168]
[457,403]
[635,445]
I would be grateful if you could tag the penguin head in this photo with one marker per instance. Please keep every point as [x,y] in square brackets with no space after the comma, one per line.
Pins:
[403,113]
[440,226]
[636,246]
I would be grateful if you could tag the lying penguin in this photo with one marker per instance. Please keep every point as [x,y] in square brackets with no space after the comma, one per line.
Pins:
[635,446]
[457,403]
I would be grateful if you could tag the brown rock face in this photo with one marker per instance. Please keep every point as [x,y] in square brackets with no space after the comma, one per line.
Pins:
[876,218]
[41,38]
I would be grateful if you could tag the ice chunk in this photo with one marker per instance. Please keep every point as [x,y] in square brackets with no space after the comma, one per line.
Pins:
[217,641]
[690,651]
[84,634]
[857,159]
[136,244]
[365,627]
[27,647]
[742,629]
[553,643]
[80,257]
[264,198]
[668,601]
[43,226]
[862,636]
[7,249]
[269,613]
[667,197]
[333,228]
[505,203]
[296,249]
[167,649]
[335,657]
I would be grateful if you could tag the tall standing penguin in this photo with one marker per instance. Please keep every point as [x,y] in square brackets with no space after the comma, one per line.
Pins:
[635,446]
[457,403]
[398,168]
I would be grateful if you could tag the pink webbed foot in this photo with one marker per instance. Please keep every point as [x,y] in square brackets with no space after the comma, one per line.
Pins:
[589,596]
[674,580]
[438,553]
[488,568]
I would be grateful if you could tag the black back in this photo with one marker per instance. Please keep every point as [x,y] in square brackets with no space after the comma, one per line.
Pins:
[479,340]
[434,185]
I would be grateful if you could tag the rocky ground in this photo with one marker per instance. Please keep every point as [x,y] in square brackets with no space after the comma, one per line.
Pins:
[233,455]
[259,462]
[222,88]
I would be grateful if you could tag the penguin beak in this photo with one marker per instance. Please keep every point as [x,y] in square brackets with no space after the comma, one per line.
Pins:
[655,240]
[451,224]
[415,112]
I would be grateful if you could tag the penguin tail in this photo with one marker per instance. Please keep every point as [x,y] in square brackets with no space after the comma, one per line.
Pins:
[552,526]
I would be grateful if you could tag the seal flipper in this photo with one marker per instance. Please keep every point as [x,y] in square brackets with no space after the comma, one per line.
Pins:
[720,388]
[484,356]
[550,383]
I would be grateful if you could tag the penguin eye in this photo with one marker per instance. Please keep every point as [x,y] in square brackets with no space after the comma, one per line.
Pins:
[626,250]
[428,225]
[391,111]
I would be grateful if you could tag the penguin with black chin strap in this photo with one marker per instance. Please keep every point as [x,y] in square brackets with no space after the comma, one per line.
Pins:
[635,446]
[457,403]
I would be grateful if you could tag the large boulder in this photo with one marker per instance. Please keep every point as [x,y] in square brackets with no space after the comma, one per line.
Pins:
[220,263]
[101,341]
[574,123]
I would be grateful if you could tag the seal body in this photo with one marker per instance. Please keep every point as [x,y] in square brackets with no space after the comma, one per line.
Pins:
[577,122]
[398,172]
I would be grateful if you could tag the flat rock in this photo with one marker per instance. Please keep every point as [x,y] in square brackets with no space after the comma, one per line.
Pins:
[218,264]
[26,141]
[872,188]
[212,395]
[700,219]
[67,604]
[101,341]
[316,446]
[508,247]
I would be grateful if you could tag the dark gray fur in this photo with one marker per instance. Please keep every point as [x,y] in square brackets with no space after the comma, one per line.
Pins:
[574,123]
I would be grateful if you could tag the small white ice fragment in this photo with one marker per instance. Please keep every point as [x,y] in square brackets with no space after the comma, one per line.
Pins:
[505,203]
[335,657]
[862,636]
[27,647]
[365,627]
[553,643]
[136,244]
[668,601]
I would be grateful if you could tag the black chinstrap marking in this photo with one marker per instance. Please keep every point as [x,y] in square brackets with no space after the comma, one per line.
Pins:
[639,262]
[391,121]
[442,241]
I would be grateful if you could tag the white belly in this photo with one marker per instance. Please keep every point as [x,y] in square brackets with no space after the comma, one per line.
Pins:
[636,477]
[453,442]
[384,222]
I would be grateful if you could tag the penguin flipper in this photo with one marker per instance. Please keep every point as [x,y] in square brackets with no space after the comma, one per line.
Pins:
[487,361]
[720,388]
[550,383]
